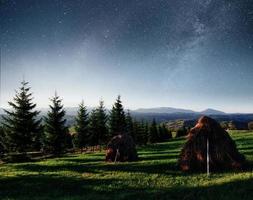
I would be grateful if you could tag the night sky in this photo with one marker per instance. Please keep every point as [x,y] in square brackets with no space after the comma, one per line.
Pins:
[192,54]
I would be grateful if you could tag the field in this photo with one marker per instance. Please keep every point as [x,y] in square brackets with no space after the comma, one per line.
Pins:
[155,176]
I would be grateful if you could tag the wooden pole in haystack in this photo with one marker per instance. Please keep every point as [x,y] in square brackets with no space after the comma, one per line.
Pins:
[207,157]
[116,157]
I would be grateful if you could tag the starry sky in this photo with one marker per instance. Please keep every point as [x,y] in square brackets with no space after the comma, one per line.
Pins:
[192,54]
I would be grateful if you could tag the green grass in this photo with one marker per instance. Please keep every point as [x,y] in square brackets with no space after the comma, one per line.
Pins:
[155,176]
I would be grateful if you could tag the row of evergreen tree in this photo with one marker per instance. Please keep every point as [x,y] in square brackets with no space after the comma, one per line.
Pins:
[23,130]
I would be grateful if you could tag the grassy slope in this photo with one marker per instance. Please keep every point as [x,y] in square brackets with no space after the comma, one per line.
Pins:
[154,177]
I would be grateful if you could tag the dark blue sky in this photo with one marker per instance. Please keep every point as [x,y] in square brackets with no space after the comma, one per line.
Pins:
[186,53]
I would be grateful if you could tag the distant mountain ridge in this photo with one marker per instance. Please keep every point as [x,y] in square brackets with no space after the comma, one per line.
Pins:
[163,110]
[158,110]
[170,110]
[210,111]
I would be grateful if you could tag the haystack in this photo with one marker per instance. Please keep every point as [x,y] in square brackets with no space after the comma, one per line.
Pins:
[223,153]
[121,148]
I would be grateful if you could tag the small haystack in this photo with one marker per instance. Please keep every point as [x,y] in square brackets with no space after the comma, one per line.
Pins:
[121,148]
[223,153]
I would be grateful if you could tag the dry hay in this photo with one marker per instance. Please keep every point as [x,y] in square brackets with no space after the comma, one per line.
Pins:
[223,153]
[121,148]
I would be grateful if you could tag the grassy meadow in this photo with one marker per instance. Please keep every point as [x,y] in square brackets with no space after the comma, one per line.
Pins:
[155,176]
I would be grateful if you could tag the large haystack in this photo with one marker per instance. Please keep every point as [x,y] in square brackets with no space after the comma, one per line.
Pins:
[223,153]
[121,148]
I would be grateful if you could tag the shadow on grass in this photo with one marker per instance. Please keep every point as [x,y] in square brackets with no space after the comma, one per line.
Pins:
[155,157]
[84,160]
[135,167]
[51,187]
[55,187]
[142,157]
[243,140]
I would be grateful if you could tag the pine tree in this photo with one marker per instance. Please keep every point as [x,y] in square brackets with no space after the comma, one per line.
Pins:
[93,130]
[166,133]
[22,126]
[81,137]
[146,133]
[129,125]
[140,130]
[181,132]
[2,142]
[153,132]
[135,132]
[97,125]
[144,127]
[101,124]
[161,133]
[117,120]
[55,133]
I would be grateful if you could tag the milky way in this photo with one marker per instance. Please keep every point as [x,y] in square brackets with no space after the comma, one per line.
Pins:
[186,53]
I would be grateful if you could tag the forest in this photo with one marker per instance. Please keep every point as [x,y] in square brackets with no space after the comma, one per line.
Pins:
[23,131]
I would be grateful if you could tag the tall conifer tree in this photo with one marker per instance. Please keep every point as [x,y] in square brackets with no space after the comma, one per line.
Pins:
[102,123]
[81,138]
[164,133]
[140,132]
[55,133]
[153,132]
[161,133]
[93,129]
[146,133]
[2,142]
[117,121]
[22,126]
[97,125]
[129,124]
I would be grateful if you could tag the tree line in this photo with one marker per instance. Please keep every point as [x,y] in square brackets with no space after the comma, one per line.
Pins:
[23,130]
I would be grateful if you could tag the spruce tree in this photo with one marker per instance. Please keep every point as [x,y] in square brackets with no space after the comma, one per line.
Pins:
[161,133]
[146,133]
[93,129]
[21,124]
[136,132]
[2,142]
[55,133]
[81,137]
[129,125]
[97,125]
[102,124]
[181,132]
[140,130]
[153,132]
[117,120]
[165,133]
